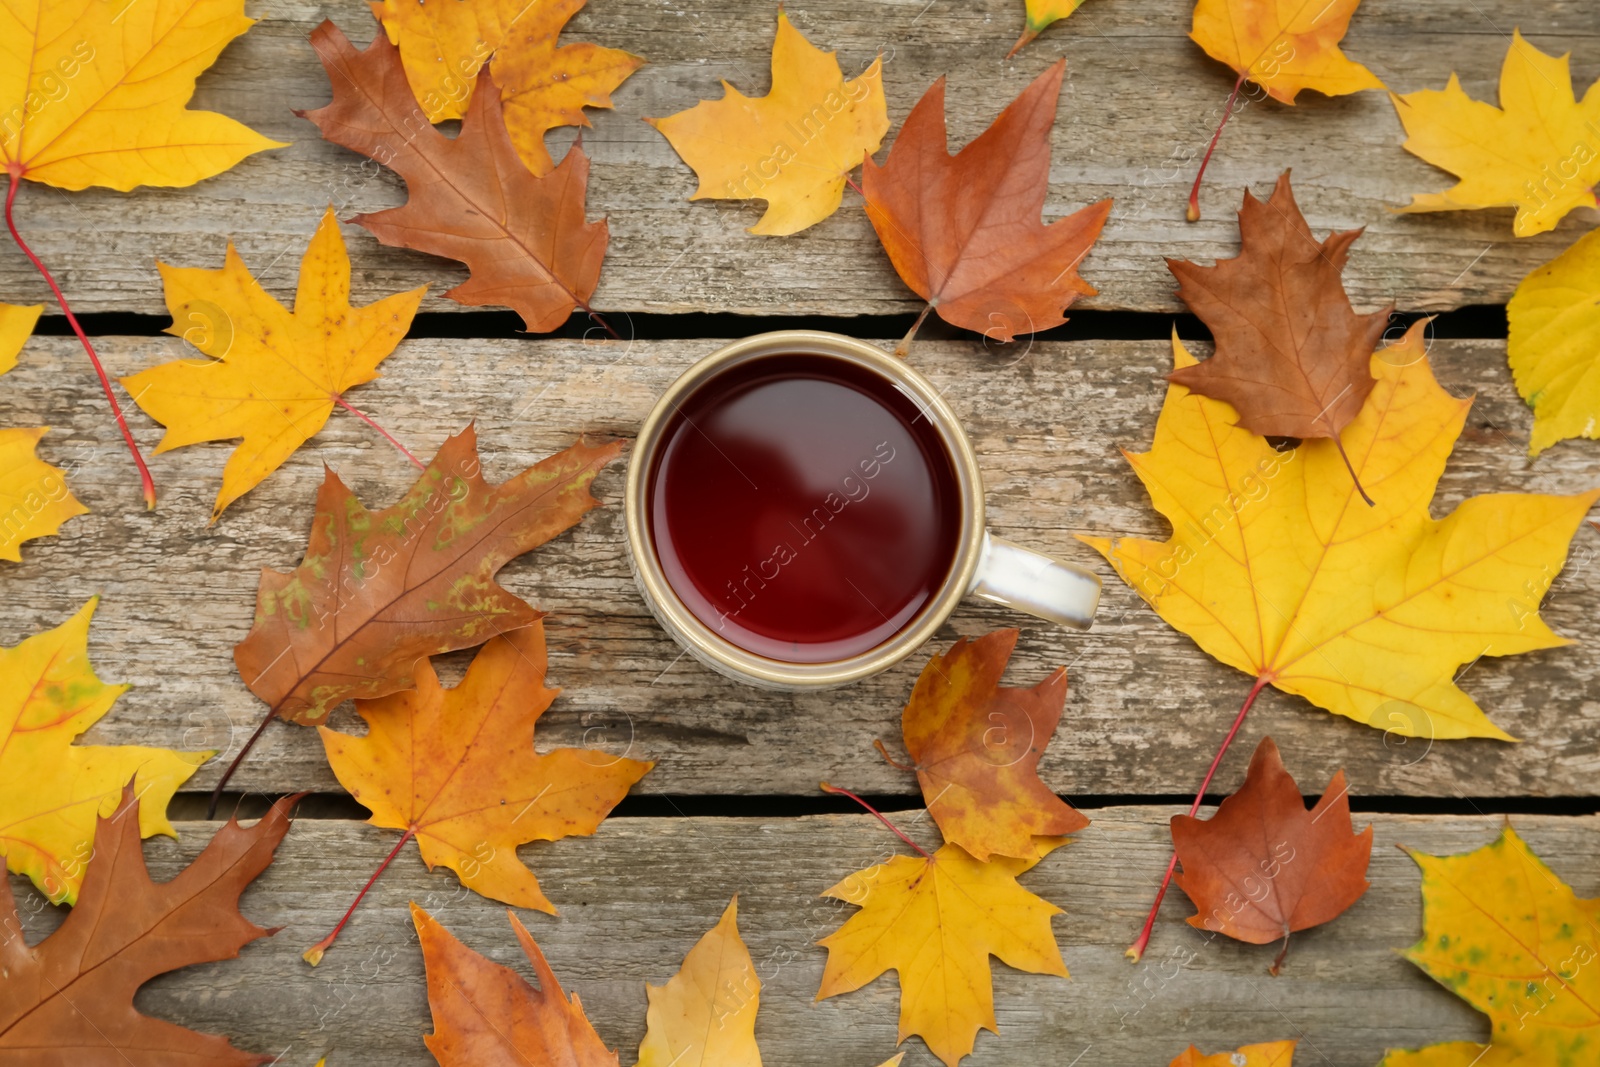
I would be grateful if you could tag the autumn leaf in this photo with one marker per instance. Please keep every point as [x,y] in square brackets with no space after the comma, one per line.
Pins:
[1503,933]
[275,375]
[104,97]
[378,591]
[70,998]
[1271,1054]
[1366,612]
[542,84]
[456,770]
[964,231]
[935,921]
[1263,867]
[524,238]
[1284,46]
[1039,15]
[1535,152]
[97,95]
[486,1015]
[51,790]
[792,147]
[975,746]
[1554,344]
[16,326]
[705,1016]
[1291,353]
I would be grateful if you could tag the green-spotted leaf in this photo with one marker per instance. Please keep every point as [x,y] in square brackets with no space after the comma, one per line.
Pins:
[378,591]
[1503,933]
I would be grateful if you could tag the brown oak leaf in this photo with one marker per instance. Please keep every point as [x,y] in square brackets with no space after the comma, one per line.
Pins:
[1293,358]
[976,746]
[964,231]
[1263,866]
[70,998]
[524,238]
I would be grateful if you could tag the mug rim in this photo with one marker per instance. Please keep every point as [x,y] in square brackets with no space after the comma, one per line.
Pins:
[721,654]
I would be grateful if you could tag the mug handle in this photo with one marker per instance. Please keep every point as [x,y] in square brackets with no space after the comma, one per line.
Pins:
[1040,585]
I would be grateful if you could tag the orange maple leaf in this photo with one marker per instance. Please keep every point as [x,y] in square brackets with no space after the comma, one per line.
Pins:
[976,746]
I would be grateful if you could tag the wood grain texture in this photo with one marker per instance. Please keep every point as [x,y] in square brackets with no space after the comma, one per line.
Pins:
[1139,106]
[636,896]
[1145,708]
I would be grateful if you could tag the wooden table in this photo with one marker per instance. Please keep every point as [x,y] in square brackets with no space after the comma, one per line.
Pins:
[732,806]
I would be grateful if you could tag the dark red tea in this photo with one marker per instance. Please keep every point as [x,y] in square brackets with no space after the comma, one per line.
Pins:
[802,507]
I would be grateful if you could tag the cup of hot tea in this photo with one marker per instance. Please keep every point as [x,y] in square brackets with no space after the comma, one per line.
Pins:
[804,510]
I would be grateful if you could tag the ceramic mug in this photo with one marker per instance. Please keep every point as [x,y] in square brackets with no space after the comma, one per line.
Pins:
[689,465]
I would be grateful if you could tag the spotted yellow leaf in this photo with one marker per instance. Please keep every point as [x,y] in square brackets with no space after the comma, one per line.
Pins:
[1503,933]
[51,790]
[1038,16]
[792,147]
[1284,46]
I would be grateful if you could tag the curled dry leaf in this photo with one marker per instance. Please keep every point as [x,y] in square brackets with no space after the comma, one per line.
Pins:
[1270,1054]
[792,147]
[975,745]
[456,770]
[275,375]
[524,238]
[486,1015]
[1536,152]
[70,998]
[542,84]
[935,921]
[1263,866]
[54,793]
[705,1016]
[1554,345]
[1501,931]
[964,231]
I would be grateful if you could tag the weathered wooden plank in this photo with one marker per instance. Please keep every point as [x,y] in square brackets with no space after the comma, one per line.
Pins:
[1137,111]
[1146,708]
[638,894]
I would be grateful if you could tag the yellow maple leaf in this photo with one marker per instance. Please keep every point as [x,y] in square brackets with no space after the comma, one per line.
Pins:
[1503,933]
[16,326]
[96,93]
[1269,1054]
[1038,16]
[34,498]
[456,769]
[1276,568]
[542,85]
[1283,46]
[705,1016]
[936,921]
[1539,151]
[274,375]
[1554,345]
[792,147]
[51,790]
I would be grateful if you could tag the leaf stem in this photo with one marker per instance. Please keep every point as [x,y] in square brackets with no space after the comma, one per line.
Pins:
[1193,214]
[314,954]
[216,794]
[146,484]
[1337,443]
[387,436]
[1277,964]
[1136,950]
[878,744]
[903,349]
[826,788]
